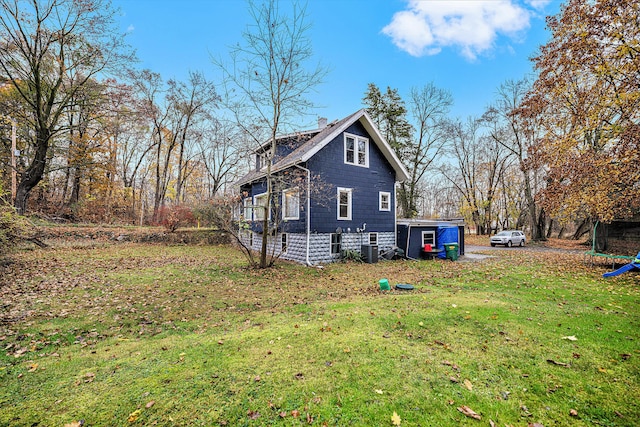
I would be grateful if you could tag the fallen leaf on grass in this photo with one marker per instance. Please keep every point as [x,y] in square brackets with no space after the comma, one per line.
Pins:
[553,362]
[75,424]
[395,419]
[468,385]
[253,415]
[150,404]
[535,425]
[379,391]
[133,417]
[570,338]
[469,412]
[453,365]
[573,413]
[33,367]
[89,377]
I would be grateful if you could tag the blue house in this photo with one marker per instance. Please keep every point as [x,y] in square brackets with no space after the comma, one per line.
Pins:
[333,191]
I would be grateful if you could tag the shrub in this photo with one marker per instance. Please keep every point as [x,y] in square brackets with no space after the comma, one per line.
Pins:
[172,217]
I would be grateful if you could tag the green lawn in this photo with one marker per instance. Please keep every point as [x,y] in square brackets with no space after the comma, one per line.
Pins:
[133,334]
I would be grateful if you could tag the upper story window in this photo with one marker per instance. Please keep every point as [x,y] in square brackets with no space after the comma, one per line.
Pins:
[356,150]
[385,201]
[261,160]
[291,204]
[344,203]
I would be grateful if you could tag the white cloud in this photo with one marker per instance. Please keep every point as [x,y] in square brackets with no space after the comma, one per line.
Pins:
[538,4]
[470,25]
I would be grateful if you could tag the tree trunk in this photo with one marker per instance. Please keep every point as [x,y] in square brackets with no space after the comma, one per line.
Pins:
[33,175]
[539,226]
[583,228]
[265,225]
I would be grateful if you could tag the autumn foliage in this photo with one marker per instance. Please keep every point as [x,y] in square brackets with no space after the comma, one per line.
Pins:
[587,102]
[173,217]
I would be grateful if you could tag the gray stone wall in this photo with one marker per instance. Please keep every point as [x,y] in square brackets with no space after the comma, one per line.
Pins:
[319,245]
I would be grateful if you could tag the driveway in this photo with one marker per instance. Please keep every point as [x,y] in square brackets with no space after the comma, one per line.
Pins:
[478,253]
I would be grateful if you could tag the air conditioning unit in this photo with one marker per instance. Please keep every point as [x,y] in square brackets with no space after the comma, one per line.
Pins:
[369,253]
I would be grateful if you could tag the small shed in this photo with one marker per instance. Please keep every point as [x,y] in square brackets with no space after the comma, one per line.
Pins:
[414,234]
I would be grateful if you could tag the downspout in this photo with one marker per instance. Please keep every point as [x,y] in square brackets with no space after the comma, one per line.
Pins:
[395,214]
[308,212]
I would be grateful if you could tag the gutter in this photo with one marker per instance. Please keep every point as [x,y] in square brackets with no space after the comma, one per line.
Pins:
[308,212]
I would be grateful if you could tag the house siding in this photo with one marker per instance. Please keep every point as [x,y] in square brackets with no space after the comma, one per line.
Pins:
[286,226]
[328,163]
[365,182]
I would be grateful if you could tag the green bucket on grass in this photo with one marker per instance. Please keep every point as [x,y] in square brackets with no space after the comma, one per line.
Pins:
[384,285]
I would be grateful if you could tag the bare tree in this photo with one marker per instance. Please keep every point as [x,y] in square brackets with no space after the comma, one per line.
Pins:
[49,50]
[429,106]
[477,171]
[189,102]
[173,112]
[517,135]
[222,146]
[267,83]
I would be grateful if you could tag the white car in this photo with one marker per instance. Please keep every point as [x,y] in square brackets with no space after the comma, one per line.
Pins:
[508,238]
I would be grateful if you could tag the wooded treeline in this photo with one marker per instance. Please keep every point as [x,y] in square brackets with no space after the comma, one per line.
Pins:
[556,148]
[99,140]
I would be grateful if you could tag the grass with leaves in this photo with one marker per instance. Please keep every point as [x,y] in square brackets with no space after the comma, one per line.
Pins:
[133,334]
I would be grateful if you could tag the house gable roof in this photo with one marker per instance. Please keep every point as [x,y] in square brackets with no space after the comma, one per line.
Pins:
[324,137]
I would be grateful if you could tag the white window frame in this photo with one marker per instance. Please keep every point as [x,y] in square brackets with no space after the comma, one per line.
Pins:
[373,238]
[261,160]
[381,196]
[433,237]
[247,212]
[349,193]
[248,235]
[338,244]
[295,194]
[258,212]
[356,150]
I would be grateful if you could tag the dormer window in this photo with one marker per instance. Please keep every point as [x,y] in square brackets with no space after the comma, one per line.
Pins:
[356,150]
[261,160]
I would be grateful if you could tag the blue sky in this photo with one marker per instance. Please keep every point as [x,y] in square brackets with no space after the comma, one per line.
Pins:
[468,47]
